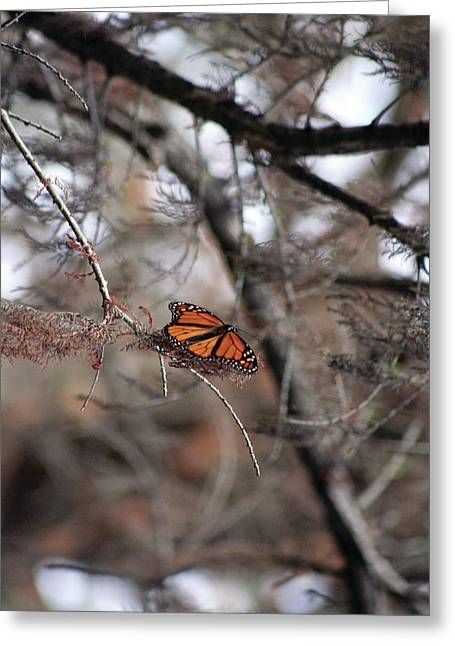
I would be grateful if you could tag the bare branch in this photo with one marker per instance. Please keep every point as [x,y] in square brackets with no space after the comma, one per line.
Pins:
[352,515]
[343,416]
[66,83]
[95,378]
[368,432]
[390,470]
[234,415]
[27,122]
[412,237]
[163,374]
[60,204]
[12,20]
[65,29]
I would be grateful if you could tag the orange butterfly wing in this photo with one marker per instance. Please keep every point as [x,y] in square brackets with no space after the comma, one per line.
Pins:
[224,345]
[204,349]
[183,333]
[189,314]
[234,350]
[190,321]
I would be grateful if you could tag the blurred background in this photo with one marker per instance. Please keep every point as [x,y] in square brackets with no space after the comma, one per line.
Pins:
[144,503]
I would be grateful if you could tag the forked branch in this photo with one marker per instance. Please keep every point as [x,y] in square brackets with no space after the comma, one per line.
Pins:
[64,210]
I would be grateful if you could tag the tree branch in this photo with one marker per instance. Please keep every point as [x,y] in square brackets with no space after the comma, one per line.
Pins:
[346,504]
[60,204]
[392,468]
[67,29]
[89,40]
[375,216]
[235,416]
[388,283]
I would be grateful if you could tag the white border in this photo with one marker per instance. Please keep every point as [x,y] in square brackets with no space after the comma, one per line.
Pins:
[341,6]
[43,629]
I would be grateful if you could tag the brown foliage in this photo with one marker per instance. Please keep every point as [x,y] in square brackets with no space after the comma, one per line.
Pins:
[41,337]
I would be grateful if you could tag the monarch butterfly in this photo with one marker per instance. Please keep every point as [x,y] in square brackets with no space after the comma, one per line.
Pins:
[200,333]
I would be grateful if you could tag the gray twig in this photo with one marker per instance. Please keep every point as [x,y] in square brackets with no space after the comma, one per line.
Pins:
[95,380]
[391,469]
[163,374]
[60,204]
[234,415]
[364,435]
[12,20]
[242,240]
[27,122]
[36,57]
[347,507]
[339,418]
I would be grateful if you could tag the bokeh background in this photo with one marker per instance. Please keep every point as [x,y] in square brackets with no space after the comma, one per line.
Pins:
[142,503]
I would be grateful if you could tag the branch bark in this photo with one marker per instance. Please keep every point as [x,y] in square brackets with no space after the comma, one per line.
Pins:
[282,142]
[375,215]
[89,40]
[61,206]
[361,576]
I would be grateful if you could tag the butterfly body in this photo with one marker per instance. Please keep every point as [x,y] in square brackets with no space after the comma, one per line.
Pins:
[204,336]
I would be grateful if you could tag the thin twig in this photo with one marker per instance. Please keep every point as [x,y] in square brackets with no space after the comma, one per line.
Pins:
[60,204]
[137,408]
[11,21]
[234,415]
[283,405]
[402,188]
[26,122]
[163,374]
[89,92]
[242,240]
[66,83]
[200,177]
[287,90]
[290,296]
[135,134]
[394,446]
[366,433]
[95,379]
[319,91]
[347,507]
[65,29]
[339,418]
[389,472]
[399,96]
